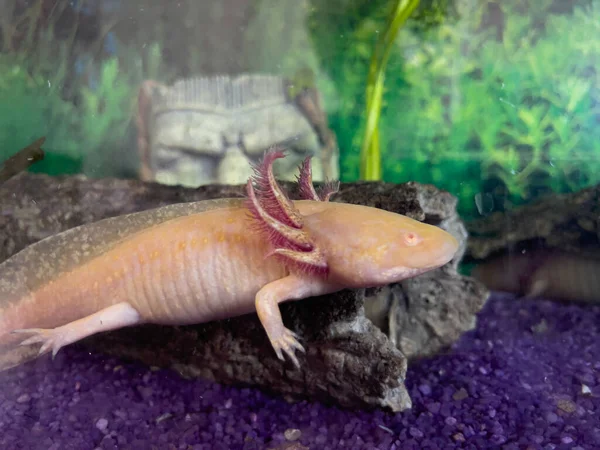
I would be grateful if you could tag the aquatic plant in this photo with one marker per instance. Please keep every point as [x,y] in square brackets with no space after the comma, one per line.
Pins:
[504,119]
[496,103]
[344,34]
[82,99]
[370,154]
[78,128]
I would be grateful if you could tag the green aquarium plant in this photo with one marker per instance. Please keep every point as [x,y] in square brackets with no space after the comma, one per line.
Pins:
[496,102]
[370,152]
[80,128]
[499,115]
[76,94]
[344,36]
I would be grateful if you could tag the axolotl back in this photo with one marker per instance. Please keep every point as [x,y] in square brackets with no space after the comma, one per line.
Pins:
[204,261]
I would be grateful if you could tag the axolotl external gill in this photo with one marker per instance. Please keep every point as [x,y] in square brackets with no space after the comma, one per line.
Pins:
[209,260]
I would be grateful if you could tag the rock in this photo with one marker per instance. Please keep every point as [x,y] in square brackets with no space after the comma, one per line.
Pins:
[430,312]
[349,361]
[566,222]
[549,248]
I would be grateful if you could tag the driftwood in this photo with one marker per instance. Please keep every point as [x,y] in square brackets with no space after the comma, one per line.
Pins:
[21,160]
[349,360]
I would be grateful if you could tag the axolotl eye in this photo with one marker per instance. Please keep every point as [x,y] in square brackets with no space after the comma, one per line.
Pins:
[411,238]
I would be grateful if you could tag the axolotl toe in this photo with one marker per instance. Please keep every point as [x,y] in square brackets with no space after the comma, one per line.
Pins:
[203,261]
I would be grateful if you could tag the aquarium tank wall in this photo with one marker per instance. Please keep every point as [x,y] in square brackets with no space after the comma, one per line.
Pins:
[458,309]
[72,73]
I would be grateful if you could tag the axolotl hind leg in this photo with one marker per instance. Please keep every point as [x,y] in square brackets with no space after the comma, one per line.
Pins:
[111,318]
[281,223]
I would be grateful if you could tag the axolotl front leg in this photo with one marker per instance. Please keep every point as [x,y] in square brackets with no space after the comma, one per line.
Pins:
[281,223]
[267,302]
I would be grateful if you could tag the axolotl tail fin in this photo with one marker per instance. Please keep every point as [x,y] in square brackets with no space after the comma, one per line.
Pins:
[11,352]
[15,356]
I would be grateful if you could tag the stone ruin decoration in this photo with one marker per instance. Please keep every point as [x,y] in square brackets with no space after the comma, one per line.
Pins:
[207,130]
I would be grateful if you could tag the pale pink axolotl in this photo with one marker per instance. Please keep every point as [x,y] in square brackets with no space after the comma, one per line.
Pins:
[203,261]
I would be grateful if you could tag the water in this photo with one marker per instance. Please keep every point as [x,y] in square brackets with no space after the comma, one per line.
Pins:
[495,103]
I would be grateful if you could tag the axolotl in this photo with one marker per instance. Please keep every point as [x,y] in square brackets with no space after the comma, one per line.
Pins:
[202,261]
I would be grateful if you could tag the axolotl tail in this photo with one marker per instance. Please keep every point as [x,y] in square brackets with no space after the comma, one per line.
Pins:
[29,311]
[25,273]
[11,352]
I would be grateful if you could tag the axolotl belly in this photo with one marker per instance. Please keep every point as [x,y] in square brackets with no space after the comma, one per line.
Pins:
[204,261]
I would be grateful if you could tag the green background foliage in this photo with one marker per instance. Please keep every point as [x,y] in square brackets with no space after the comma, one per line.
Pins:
[87,119]
[494,101]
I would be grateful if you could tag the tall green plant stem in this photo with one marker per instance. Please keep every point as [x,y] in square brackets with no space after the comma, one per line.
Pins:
[370,160]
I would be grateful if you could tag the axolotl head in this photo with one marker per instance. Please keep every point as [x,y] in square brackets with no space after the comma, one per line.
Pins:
[352,245]
[367,247]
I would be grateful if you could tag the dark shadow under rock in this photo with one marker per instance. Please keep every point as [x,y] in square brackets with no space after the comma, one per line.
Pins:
[349,361]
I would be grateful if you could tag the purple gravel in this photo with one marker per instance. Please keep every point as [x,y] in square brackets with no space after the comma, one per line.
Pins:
[510,384]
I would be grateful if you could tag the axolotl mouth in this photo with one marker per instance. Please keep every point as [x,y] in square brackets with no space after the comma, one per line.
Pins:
[444,250]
